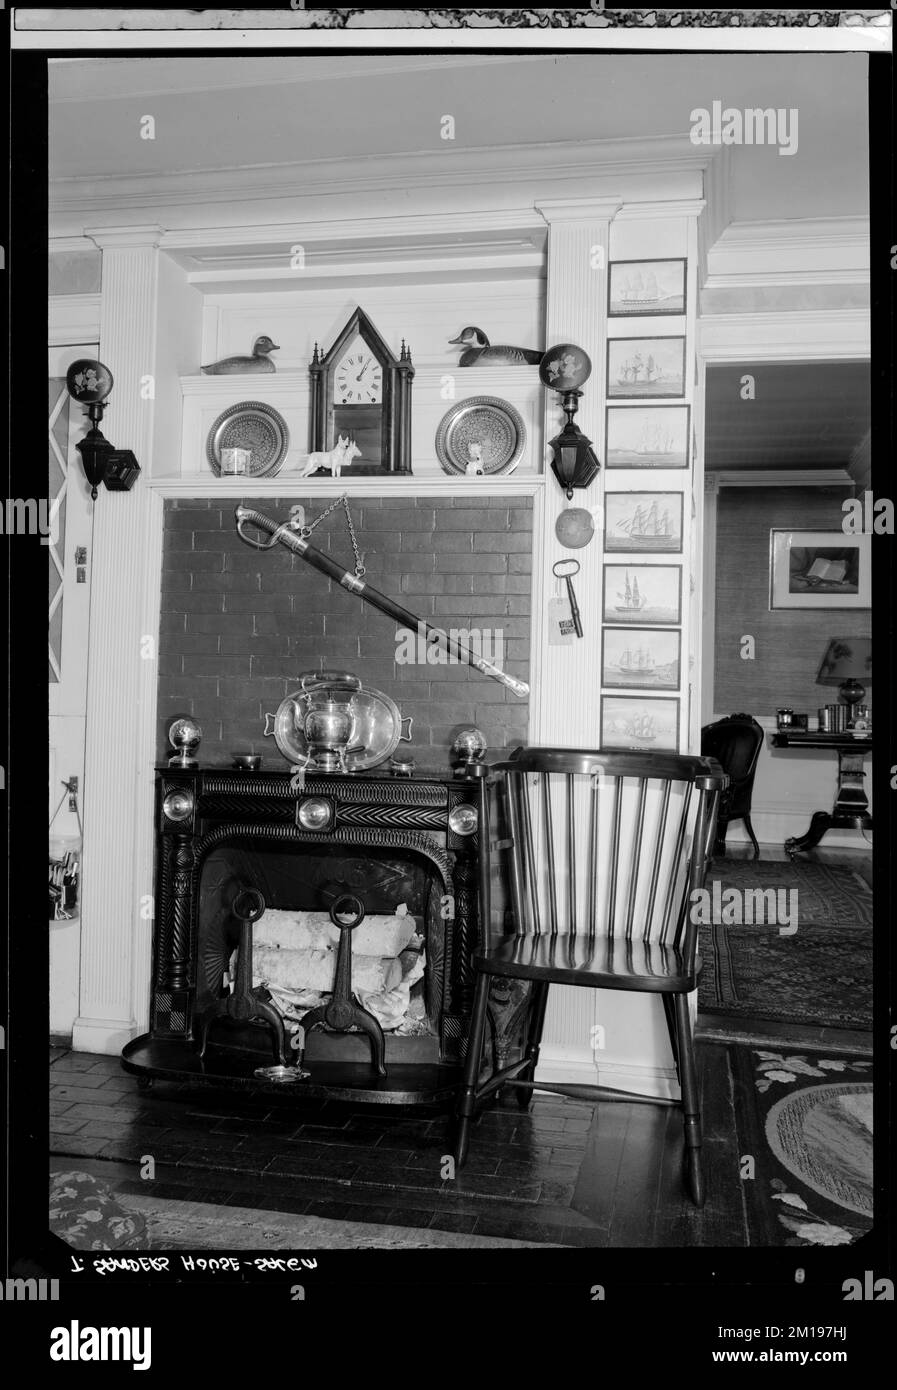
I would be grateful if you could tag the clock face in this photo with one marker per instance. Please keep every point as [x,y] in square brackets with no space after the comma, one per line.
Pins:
[358,377]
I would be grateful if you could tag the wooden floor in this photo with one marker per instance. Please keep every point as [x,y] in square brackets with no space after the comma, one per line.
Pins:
[564,1171]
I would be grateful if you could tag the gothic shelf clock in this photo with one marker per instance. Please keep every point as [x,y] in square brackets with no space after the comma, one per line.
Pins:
[360,390]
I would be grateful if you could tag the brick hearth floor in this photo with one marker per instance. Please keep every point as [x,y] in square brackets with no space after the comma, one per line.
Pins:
[564,1171]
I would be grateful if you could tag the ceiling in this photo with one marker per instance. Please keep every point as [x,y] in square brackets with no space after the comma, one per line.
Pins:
[238,112]
[803,415]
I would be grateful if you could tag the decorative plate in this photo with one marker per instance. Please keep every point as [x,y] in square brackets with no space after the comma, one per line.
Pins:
[377,729]
[483,431]
[250,425]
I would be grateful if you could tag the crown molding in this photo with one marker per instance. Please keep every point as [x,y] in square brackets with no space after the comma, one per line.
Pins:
[780,477]
[673,207]
[583,163]
[811,251]
[126,238]
[807,335]
[73,318]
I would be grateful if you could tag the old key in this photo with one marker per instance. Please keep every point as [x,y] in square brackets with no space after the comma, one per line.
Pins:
[563,570]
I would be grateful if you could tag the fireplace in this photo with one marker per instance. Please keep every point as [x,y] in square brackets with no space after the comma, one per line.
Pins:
[393,841]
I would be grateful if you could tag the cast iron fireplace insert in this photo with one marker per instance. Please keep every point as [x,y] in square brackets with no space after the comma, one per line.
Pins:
[387,838]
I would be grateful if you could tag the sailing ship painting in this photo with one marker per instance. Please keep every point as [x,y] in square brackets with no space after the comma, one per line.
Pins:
[646,287]
[635,658]
[643,521]
[640,367]
[643,594]
[632,722]
[647,436]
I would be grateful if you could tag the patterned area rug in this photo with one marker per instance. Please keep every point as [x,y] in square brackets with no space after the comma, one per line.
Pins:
[820,974]
[88,1215]
[805,1121]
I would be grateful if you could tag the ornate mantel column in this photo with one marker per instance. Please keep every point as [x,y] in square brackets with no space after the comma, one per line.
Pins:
[118,810]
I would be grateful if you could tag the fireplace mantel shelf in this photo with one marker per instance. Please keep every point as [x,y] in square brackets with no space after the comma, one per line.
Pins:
[205,484]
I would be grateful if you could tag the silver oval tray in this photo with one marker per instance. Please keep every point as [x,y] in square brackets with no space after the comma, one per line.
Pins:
[250,425]
[485,420]
[377,729]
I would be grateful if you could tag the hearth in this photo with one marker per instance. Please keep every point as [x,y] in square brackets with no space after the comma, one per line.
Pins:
[397,843]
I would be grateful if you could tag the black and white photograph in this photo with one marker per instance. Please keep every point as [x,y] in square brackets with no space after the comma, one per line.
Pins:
[646,287]
[645,368]
[647,436]
[460,778]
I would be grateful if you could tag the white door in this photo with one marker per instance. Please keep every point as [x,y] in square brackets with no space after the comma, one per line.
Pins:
[68,555]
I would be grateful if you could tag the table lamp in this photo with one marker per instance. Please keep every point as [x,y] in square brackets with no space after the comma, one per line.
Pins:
[847,663]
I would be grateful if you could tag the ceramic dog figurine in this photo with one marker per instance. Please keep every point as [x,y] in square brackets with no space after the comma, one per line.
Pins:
[340,456]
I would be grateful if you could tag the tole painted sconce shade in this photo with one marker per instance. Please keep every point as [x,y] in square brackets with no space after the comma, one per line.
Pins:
[565,369]
[89,382]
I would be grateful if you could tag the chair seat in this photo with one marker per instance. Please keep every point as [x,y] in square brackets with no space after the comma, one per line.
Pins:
[605,962]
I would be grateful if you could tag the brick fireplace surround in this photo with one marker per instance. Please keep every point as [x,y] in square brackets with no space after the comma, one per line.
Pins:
[238,624]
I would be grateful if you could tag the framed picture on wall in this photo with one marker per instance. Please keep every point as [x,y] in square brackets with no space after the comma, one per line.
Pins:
[644,658]
[819,569]
[645,368]
[634,721]
[646,287]
[647,436]
[645,522]
[642,594]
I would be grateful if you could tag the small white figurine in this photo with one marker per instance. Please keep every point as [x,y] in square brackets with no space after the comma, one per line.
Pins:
[474,466]
[340,456]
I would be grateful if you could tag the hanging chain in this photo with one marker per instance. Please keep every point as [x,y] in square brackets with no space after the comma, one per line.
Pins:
[307,530]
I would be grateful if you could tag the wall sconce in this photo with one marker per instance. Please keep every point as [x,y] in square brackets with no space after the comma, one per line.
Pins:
[89,383]
[565,369]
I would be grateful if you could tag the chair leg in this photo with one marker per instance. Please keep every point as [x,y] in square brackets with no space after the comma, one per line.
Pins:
[533,1043]
[467,1099]
[691,1105]
[670,1015]
[750,830]
[719,844]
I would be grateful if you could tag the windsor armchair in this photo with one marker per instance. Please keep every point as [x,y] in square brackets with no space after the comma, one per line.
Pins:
[587,865]
[735,743]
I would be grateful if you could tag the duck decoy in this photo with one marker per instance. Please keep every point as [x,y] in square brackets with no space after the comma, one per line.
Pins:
[479,352]
[258,362]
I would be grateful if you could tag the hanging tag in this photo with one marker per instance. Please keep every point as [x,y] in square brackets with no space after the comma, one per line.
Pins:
[561,627]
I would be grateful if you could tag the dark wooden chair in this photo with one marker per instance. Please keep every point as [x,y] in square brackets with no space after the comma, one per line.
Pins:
[735,742]
[601,853]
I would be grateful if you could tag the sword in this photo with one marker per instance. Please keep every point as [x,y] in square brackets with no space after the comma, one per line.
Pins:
[282,533]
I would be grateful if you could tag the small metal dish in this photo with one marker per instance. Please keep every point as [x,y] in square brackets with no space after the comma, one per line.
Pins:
[247,762]
[283,1075]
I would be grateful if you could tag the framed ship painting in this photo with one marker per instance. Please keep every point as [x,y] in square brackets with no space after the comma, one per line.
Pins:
[645,368]
[646,287]
[642,594]
[644,658]
[643,522]
[647,436]
[637,721]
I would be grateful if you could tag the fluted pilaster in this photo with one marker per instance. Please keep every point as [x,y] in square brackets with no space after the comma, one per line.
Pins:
[118,819]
